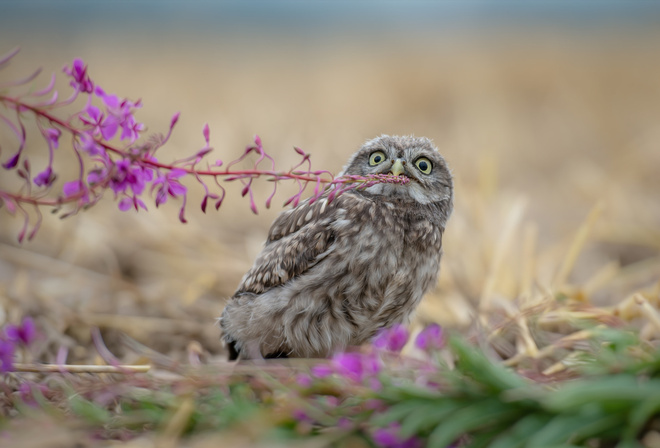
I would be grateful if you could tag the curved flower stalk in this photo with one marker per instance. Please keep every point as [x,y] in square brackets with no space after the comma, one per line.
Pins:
[113,154]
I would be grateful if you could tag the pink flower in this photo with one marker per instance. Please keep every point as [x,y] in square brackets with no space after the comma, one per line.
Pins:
[349,365]
[81,81]
[121,114]
[431,338]
[168,185]
[100,124]
[301,415]
[53,136]
[12,162]
[322,370]
[303,380]
[126,175]
[392,339]
[389,438]
[45,178]
[6,356]
[127,202]
[356,366]
[73,188]
[89,145]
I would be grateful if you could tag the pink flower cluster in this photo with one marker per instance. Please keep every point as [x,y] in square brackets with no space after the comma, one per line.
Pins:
[366,368]
[361,366]
[13,336]
[106,139]
[128,171]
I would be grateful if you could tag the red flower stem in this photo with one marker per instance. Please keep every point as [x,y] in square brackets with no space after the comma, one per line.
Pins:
[241,174]
[251,173]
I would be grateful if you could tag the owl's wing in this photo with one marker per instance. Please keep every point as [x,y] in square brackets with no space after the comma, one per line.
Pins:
[298,239]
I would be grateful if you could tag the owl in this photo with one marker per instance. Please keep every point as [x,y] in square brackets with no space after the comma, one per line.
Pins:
[333,273]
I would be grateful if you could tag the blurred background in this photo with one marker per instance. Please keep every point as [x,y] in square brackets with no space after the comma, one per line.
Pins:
[546,112]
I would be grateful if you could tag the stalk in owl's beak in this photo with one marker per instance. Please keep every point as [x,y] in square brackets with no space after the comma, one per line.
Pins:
[398,167]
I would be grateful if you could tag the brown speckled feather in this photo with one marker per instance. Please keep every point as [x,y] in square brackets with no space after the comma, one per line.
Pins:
[298,239]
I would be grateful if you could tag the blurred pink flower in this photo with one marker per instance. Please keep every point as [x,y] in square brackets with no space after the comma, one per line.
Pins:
[24,333]
[392,339]
[89,145]
[356,366]
[127,174]
[12,162]
[81,81]
[303,380]
[322,370]
[6,356]
[431,338]
[389,438]
[121,112]
[73,188]
[100,124]
[45,178]
[53,136]
[168,185]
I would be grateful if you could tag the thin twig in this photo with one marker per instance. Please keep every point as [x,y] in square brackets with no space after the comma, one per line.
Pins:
[48,368]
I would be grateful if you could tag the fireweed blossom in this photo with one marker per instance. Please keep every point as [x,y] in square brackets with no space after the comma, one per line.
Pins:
[24,334]
[45,178]
[389,438]
[167,184]
[7,350]
[105,136]
[354,366]
[431,338]
[80,81]
[392,339]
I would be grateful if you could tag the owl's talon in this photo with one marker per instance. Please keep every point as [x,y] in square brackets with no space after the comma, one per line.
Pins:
[251,350]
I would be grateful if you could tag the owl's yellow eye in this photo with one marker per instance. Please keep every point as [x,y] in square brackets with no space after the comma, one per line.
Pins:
[424,165]
[376,158]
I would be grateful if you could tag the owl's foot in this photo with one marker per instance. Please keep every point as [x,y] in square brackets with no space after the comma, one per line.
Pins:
[251,350]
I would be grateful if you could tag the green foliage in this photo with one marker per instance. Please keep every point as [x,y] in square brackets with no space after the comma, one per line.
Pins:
[611,400]
[491,406]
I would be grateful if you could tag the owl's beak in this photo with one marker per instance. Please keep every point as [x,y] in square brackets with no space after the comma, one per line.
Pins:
[398,168]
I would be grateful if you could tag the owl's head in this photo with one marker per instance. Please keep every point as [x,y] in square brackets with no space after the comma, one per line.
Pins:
[413,157]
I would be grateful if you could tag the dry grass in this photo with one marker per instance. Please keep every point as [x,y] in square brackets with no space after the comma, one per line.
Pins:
[554,143]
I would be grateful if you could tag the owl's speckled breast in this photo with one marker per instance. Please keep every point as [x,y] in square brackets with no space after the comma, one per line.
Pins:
[398,249]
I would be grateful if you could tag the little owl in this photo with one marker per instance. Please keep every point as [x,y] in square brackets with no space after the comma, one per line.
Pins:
[332,273]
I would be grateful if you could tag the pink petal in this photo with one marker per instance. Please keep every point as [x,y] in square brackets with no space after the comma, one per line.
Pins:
[207,132]
[125,204]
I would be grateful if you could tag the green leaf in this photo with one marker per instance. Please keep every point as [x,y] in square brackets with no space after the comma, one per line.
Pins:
[599,427]
[617,393]
[629,444]
[88,410]
[488,412]
[426,417]
[398,412]
[639,416]
[571,427]
[482,439]
[521,431]
[473,363]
